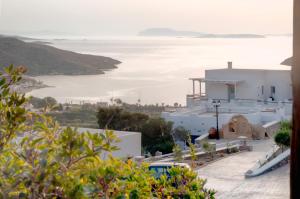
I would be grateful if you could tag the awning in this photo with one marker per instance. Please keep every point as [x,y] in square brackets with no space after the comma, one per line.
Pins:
[217,81]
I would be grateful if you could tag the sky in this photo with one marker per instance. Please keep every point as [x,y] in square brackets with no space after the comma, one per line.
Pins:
[128,17]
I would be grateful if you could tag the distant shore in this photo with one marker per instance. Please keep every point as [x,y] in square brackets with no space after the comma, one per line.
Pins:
[167,32]
[40,58]
[29,84]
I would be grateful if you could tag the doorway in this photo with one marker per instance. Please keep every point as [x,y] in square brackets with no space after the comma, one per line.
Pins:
[231,92]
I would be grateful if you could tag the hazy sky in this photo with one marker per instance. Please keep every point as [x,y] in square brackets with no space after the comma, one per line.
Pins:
[127,17]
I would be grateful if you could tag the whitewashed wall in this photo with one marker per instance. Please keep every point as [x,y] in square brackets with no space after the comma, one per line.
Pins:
[253,80]
[130,143]
[200,124]
[129,146]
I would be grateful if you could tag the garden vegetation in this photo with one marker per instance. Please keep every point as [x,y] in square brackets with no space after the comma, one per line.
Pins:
[41,160]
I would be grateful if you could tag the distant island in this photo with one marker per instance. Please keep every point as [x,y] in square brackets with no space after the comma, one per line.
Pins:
[175,33]
[41,59]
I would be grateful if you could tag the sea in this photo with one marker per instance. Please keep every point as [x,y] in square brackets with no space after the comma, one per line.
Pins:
[156,70]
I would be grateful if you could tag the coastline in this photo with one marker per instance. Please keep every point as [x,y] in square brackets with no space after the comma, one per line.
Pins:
[29,84]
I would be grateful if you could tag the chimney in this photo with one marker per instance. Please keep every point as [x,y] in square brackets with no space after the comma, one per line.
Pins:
[229,65]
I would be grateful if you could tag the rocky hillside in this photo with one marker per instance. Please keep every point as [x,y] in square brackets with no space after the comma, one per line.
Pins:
[41,59]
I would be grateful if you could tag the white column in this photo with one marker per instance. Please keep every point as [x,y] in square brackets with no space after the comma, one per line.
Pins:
[194,87]
[235,91]
[200,88]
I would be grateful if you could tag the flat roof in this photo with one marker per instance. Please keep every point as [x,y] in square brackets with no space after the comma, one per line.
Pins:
[232,81]
[250,69]
[117,133]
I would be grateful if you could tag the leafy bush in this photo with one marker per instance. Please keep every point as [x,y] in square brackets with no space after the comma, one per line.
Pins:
[287,125]
[193,151]
[283,136]
[41,160]
[209,148]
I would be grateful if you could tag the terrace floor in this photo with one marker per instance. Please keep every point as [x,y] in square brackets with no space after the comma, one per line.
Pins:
[227,176]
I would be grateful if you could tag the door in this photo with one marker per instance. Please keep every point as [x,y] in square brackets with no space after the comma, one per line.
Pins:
[231,92]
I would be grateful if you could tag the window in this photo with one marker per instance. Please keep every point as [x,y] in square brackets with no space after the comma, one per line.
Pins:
[262,90]
[273,89]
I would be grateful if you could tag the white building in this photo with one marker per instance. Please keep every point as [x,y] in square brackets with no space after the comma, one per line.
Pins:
[243,84]
[130,144]
[261,96]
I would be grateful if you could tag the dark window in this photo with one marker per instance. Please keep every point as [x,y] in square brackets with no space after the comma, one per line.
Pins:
[273,89]
[262,90]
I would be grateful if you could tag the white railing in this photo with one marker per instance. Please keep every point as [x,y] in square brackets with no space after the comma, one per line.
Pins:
[269,162]
[199,151]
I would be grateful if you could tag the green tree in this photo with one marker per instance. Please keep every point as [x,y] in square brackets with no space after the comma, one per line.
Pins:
[109,118]
[118,119]
[50,101]
[156,132]
[156,136]
[37,102]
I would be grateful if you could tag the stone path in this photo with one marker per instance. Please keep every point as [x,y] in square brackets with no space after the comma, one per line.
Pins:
[227,176]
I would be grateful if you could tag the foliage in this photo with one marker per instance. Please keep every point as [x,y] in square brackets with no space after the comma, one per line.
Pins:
[283,136]
[43,103]
[182,183]
[156,132]
[76,118]
[156,136]
[192,149]
[181,134]
[41,160]
[286,125]
[178,156]
[118,119]
[209,148]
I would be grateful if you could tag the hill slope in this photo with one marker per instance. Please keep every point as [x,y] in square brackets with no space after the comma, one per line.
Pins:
[46,60]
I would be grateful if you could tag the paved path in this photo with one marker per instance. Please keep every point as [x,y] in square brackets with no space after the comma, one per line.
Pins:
[227,177]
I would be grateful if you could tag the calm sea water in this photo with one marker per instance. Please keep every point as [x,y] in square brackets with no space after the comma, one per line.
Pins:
[156,70]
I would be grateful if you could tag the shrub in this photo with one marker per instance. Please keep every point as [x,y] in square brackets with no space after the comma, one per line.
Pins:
[283,138]
[209,148]
[178,156]
[192,149]
[287,125]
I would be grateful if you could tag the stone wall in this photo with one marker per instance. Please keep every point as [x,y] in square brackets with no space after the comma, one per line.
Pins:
[240,126]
